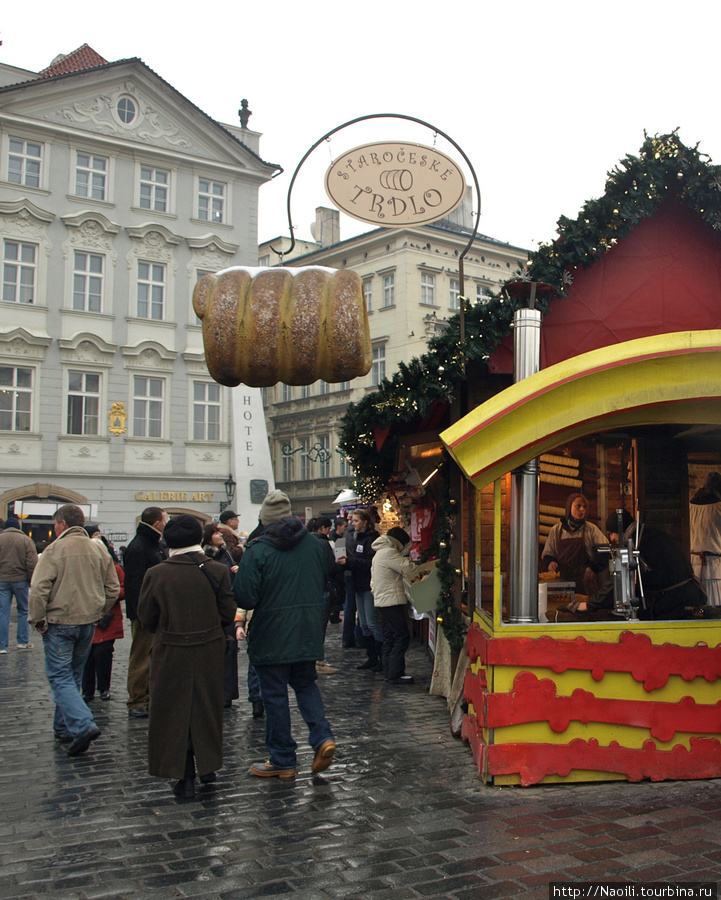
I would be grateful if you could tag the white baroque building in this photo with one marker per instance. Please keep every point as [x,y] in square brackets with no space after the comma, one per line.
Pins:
[412,285]
[116,194]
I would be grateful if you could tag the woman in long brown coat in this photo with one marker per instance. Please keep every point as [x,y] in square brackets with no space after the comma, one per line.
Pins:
[186,607]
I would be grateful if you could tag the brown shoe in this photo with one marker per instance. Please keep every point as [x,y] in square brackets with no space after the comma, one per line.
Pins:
[323,756]
[268,770]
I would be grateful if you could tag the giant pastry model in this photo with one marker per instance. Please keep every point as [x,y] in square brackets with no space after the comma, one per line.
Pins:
[264,326]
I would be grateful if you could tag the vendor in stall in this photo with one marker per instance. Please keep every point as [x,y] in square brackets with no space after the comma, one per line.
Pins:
[570,551]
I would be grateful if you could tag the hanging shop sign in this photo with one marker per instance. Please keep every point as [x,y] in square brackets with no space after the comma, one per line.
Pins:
[393,183]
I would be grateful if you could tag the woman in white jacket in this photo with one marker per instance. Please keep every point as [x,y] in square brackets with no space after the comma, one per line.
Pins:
[390,571]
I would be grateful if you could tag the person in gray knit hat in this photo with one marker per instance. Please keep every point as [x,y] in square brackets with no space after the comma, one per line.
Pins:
[281,577]
[275,505]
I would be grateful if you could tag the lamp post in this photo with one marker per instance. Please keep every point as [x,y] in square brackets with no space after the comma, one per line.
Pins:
[229,486]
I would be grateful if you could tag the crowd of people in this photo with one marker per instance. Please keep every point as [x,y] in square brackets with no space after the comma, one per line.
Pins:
[194,596]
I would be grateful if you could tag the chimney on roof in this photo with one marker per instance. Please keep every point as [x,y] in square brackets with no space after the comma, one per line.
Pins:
[326,228]
[462,215]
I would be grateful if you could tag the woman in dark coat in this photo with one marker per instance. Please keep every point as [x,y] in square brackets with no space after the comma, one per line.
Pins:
[186,607]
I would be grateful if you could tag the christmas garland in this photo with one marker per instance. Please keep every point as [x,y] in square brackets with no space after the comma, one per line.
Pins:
[665,169]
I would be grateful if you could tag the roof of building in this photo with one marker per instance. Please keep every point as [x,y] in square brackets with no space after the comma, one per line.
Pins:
[77,61]
[85,59]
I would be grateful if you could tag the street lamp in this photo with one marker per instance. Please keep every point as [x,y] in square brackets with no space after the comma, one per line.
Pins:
[229,486]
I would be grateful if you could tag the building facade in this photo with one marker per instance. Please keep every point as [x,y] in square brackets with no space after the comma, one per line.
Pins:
[412,286]
[116,195]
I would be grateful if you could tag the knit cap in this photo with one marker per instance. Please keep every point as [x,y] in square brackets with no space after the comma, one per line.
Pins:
[275,506]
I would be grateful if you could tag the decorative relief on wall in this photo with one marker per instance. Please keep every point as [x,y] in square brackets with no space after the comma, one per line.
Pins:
[90,234]
[150,126]
[26,223]
[118,417]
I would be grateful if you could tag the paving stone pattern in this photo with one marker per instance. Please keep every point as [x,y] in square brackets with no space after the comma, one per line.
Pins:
[401,814]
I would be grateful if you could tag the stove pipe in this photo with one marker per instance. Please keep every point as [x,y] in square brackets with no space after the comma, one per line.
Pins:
[523,601]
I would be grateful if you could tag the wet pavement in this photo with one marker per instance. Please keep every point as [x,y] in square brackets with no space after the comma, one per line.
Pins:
[400,814]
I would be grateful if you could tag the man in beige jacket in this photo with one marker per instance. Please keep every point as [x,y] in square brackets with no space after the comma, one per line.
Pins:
[73,586]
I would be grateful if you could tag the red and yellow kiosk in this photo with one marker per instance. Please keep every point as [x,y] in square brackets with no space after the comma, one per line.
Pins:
[587,701]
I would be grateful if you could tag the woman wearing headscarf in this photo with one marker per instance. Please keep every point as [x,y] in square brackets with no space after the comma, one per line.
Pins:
[570,548]
[185,601]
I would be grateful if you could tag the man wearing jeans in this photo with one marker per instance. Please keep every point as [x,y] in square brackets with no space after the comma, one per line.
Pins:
[18,558]
[73,586]
[281,578]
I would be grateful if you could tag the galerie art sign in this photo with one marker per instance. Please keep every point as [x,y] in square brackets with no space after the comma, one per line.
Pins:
[390,183]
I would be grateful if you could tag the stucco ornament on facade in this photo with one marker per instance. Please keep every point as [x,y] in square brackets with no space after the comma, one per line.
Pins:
[149,125]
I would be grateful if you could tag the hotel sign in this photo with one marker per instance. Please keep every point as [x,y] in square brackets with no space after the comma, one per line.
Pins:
[392,184]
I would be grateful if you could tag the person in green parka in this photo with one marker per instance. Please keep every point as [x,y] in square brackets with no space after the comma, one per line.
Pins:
[281,578]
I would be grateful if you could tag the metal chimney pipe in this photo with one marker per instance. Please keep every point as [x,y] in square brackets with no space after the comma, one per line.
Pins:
[523,603]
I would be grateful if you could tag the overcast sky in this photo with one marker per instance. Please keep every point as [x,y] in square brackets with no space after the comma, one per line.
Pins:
[544,98]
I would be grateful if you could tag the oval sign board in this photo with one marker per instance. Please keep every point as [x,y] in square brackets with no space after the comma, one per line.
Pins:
[390,184]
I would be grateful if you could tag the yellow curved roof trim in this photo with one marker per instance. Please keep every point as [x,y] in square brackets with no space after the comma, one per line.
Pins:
[666,378]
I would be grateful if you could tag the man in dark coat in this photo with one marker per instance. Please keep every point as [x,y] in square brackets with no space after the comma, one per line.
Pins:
[185,601]
[144,551]
[281,578]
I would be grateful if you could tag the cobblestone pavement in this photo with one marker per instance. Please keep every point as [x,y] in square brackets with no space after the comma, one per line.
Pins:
[401,813]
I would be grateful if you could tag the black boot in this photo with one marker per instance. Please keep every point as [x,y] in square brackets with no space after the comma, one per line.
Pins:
[372,660]
[379,653]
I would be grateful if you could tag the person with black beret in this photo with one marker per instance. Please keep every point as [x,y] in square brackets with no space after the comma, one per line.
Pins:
[185,601]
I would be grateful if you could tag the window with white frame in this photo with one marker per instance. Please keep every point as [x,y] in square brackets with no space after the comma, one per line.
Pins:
[286,393]
[389,290]
[16,391]
[344,469]
[306,467]
[483,295]
[286,468]
[24,162]
[148,395]
[378,369]
[88,281]
[19,267]
[304,391]
[324,456]
[83,402]
[343,386]
[91,176]
[154,187]
[453,301]
[428,289]
[323,387]
[151,290]
[368,292]
[211,200]
[206,411]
